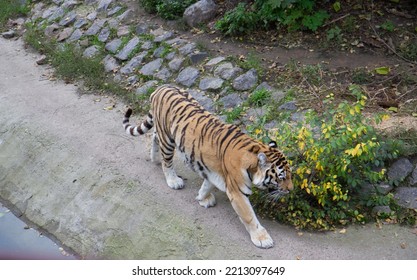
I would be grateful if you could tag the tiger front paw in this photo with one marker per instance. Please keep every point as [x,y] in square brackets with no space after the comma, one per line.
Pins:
[262,239]
[208,201]
[175,183]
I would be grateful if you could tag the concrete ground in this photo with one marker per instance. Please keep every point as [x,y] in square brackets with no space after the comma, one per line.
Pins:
[68,168]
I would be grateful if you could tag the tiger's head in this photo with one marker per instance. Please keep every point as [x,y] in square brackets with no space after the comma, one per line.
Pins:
[274,172]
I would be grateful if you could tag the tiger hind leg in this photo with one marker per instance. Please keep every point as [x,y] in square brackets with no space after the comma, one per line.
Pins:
[173,180]
[205,197]
[155,147]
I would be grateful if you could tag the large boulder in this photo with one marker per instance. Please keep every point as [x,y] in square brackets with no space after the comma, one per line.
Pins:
[200,12]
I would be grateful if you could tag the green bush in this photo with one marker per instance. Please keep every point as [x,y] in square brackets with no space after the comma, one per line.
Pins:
[333,154]
[293,14]
[166,9]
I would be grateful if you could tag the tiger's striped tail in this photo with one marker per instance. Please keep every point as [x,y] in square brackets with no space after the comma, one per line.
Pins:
[137,130]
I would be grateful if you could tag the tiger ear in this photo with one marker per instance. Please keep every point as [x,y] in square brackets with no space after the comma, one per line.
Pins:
[263,160]
[273,144]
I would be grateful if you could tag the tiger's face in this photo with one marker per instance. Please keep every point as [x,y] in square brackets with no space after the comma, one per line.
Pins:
[273,176]
[278,179]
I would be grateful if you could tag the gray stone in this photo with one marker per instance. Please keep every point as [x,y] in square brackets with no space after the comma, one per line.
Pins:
[211,83]
[170,56]
[68,19]
[80,22]
[177,42]
[406,197]
[65,34]
[265,86]
[200,12]
[51,30]
[36,14]
[126,17]
[399,170]
[69,4]
[92,16]
[132,80]
[150,68]
[146,87]
[270,125]
[381,210]
[255,113]
[57,2]
[142,28]
[91,51]
[246,81]
[133,64]
[157,32]
[298,116]
[114,11]
[413,178]
[289,106]
[118,78]
[58,13]
[84,42]
[231,100]
[187,49]
[103,5]
[95,27]
[203,100]
[197,57]
[383,188]
[188,76]
[227,71]
[147,45]
[159,51]
[104,34]
[163,37]
[42,60]
[113,23]
[113,45]
[176,63]
[164,74]
[110,63]
[123,30]
[128,49]
[214,61]
[367,189]
[48,12]
[8,34]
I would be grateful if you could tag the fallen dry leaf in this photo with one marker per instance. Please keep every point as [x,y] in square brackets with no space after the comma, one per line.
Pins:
[109,108]
[342,231]
[300,233]
[403,245]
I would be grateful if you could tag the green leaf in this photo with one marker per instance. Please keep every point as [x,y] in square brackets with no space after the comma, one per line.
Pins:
[382,70]
[393,109]
[414,115]
[336,6]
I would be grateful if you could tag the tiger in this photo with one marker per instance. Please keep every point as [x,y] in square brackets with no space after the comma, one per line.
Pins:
[223,155]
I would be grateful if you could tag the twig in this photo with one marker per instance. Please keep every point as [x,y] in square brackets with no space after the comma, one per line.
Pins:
[335,20]
[390,48]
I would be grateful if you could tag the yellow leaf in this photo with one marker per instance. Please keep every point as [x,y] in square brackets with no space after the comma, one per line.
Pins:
[342,231]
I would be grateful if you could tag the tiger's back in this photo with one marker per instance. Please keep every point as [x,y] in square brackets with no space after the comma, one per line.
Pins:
[220,153]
